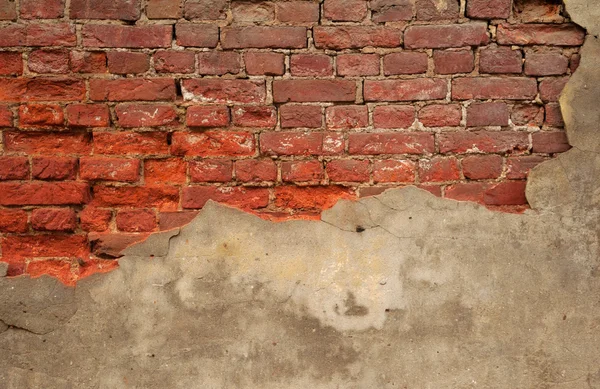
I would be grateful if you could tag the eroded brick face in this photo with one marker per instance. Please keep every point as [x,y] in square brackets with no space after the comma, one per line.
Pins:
[122,118]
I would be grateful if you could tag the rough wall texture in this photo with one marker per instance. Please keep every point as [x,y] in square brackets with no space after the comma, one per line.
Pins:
[123,117]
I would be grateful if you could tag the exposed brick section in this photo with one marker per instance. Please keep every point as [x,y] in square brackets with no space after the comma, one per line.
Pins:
[122,118]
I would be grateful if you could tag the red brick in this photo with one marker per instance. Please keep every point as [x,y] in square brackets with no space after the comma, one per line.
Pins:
[49,61]
[487,114]
[390,143]
[437,9]
[164,9]
[165,171]
[391,10]
[483,142]
[54,168]
[206,9]
[481,167]
[345,117]
[302,171]
[88,115]
[133,89]
[105,9]
[308,116]
[6,116]
[405,90]
[108,245]
[14,168]
[41,89]
[507,88]
[500,60]
[519,167]
[554,116]
[291,143]
[345,10]
[354,37]
[506,193]
[41,115]
[545,64]
[268,64]
[207,116]
[145,115]
[437,115]
[109,169]
[540,34]
[254,116]
[130,143]
[38,34]
[439,169]
[211,170]
[218,62]
[393,171]
[358,64]
[453,61]
[316,65]
[551,88]
[348,170]
[173,61]
[213,143]
[170,220]
[527,115]
[539,11]
[13,221]
[393,116]
[8,10]
[136,220]
[252,12]
[489,9]
[260,37]
[574,62]
[467,191]
[111,35]
[88,61]
[251,170]
[313,90]
[53,219]
[333,143]
[36,193]
[33,142]
[238,196]
[444,36]
[224,91]
[34,9]
[11,64]
[197,35]
[162,197]
[550,142]
[297,12]
[405,62]
[45,246]
[95,219]
[123,62]
[310,198]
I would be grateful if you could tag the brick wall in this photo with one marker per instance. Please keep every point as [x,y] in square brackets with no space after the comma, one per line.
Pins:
[123,117]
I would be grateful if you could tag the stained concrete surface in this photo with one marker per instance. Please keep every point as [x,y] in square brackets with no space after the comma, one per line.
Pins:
[400,290]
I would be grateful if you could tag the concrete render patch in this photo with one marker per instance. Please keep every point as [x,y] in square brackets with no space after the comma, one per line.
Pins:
[400,290]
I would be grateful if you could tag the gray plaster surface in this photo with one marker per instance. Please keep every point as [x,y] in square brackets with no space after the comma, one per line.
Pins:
[400,290]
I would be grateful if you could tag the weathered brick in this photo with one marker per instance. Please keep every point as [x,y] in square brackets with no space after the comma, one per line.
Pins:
[49,61]
[238,196]
[206,9]
[6,116]
[437,9]
[252,170]
[316,65]
[109,169]
[213,143]
[506,193]
[541,34]
[445,36]
[500,60]
[574,62]
[554,116]
[482,167]
[405,62]
[170,220]
[49,9]
[439,169]
[313,90]
[41,115]
[308,116]
[13,220]
[38,34]
[348,170]
[551,88]
[487,114]
[36,193]
[41,89]
[483,142]
[297,12]
[252,12]
[196,35]
[74,246]
[354,37]
[207,116]
[105,9]
[538,11]
[467,191]
[358,64]
[393,171]
[519,167]
[391,10]
[508,88]
[345,117]
[165,171]
[149,89]
[111,245]
[164,9]
[393,116]
[130,143]
[111,35]
[173,61]
[145,115]
[453,61]
[224,91]
[88,62]
[489,9]
[123,62]
[136,220]
[8,10]
[218,62]
[311,197]
[254,116]
[156,196]
[35,142]
[345,10]
[11,64]
[53,219]
[527,115]
[302,171]
[550,142]
[14,168]
[545,64]
[95,219]
[291,143]
[263,63]
[405,90]
[263,37]
[211,170]
[437,115]
[88,115]
[390,143]
[54,168]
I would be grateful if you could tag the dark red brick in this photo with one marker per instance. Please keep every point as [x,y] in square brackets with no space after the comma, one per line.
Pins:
[123,62]
[487,114]
[500,60]
[308,116]
[437,115]
[358,64]
[453,61]
[111,35]
[508,88]
[393,116]
[550,142]
[105,9]
[405,62]
[263,63]
[174,61]
[263,37]
[313,90]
